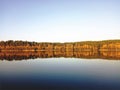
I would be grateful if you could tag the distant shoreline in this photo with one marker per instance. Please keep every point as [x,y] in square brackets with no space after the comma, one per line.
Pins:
[105,45]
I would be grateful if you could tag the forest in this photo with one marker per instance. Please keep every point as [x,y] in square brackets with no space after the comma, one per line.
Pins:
[105,45]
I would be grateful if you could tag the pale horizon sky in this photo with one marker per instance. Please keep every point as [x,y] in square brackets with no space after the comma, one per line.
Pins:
[59,20]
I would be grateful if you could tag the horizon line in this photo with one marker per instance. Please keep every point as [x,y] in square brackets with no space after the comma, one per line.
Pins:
[62,42]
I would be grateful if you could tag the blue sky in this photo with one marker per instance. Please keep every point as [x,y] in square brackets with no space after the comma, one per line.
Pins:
[59,20]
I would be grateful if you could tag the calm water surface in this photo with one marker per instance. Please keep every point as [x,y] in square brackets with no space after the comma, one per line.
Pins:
[60,74]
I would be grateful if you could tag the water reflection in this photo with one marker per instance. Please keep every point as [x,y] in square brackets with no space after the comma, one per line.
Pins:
[60,74]
[49,54]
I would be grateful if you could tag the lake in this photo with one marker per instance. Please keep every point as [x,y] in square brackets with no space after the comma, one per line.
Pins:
[60,73]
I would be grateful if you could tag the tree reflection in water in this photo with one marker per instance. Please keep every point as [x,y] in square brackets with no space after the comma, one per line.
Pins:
[24,55]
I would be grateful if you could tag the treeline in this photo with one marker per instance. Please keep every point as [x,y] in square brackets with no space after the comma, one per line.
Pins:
[106,45]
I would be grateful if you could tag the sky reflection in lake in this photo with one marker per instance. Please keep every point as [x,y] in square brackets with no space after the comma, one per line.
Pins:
[56,73]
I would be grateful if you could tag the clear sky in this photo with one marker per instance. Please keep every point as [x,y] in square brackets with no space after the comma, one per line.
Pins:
[59,20]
